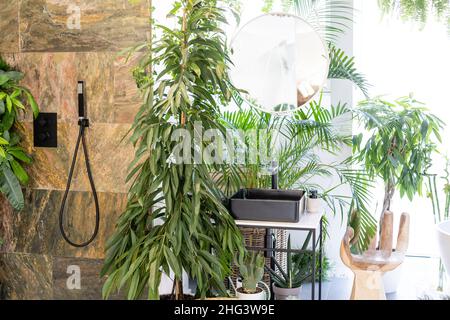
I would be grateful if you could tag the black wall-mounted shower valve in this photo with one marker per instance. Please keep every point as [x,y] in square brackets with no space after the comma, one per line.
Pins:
[45,129]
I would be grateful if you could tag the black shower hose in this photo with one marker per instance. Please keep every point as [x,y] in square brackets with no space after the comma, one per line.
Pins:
[81,140]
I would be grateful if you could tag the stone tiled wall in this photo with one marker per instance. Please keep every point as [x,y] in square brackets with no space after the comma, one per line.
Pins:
[36,39]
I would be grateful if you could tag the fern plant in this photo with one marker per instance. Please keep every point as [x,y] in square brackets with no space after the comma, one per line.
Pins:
[175,220]
[14,99]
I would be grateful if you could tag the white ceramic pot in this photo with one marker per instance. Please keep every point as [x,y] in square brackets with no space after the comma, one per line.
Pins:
[391,279]
[443,233]
[286,293]
[262,294]
[313,205]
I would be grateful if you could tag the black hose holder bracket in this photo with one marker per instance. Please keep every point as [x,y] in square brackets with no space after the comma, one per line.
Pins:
[83,122]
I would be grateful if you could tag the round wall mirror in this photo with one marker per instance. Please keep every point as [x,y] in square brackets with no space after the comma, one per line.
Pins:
[280,62]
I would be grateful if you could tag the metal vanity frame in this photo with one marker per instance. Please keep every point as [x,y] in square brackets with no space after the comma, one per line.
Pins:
[309,222]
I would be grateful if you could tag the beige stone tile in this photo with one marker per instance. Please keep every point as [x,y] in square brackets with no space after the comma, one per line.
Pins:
[9,26]
[105,25]
[26,276]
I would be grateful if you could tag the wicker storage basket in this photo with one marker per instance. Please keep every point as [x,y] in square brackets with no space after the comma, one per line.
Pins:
[255,237]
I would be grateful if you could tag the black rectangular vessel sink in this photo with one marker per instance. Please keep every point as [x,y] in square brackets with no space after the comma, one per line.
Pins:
[267,205]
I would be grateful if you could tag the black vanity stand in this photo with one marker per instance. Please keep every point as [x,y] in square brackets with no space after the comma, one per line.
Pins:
[309,222]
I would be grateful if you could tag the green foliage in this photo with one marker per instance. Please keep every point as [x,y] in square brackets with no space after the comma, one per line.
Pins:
[331,18]
[296,272]
[311,127]
[440,197]
[251,269]
[417,10]
[343,67]
[299,267]
[12,155]
[175,220]
[300,135]
[402,138]
[268,6]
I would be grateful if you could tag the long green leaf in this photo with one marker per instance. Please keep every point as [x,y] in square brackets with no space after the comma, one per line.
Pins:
[10,187]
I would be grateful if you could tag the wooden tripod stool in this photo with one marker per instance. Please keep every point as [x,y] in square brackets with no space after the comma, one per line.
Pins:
[370,266]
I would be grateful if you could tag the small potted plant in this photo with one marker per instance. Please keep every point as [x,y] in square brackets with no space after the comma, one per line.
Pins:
[313,202]
[287,284]
[251,269]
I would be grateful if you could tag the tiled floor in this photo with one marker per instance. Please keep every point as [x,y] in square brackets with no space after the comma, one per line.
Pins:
[419,277]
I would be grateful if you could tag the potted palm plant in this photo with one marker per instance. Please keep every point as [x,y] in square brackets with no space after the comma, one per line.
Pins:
[402,137]
[251,269]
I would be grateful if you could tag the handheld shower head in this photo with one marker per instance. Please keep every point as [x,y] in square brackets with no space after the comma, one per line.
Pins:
[83,122]
[81,100]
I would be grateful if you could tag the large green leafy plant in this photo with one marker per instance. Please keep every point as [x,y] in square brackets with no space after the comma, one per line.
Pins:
[175,220]
[14,98]
[402,138]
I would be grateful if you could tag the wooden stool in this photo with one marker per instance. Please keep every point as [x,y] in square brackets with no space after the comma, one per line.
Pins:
[370,266]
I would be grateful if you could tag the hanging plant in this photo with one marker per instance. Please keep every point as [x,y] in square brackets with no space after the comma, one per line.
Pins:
[417,10]
[175,220]
[13,100]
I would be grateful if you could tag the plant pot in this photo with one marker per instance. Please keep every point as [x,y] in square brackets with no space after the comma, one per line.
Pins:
[313,205]
[391,279]
[260,295]
[286,293]
[443,234]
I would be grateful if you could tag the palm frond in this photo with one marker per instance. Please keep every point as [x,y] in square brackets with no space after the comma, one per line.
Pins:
[330,18]
[361,185]
[315,123]
[343,67]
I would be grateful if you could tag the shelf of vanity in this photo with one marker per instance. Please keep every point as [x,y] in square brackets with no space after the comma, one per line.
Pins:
[308,221]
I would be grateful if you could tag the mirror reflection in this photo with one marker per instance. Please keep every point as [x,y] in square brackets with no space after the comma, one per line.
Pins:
[280,61]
